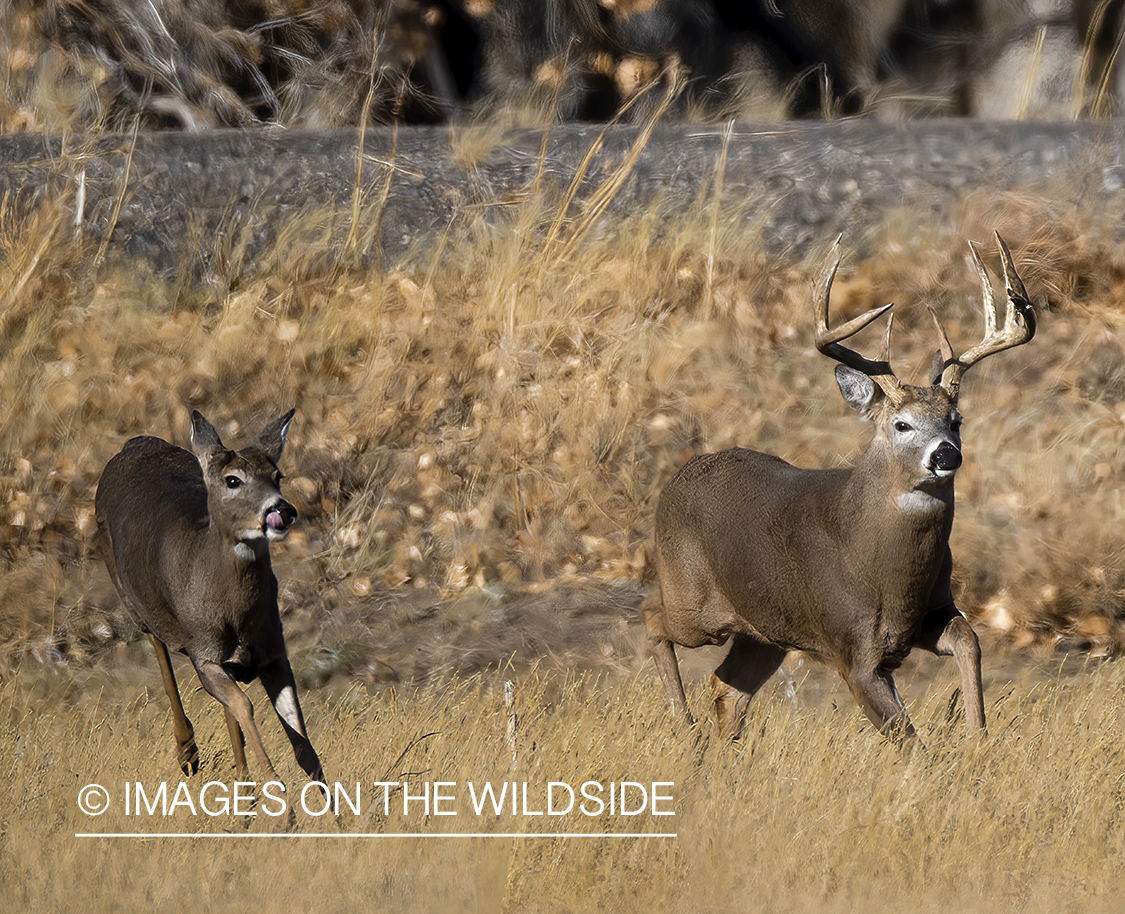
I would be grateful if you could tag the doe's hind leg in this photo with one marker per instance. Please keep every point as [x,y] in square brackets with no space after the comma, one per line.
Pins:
[744,670]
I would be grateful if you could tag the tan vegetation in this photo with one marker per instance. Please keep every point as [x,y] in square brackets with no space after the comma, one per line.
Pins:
[482,429]
[810,812]
[493,418]
[199,64]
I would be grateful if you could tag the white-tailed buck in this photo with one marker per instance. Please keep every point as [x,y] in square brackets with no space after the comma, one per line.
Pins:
[186,538]
[850,565]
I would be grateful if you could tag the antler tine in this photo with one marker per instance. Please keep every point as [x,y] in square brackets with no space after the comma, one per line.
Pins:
[1019,320]
[946,347]
[987,300]
[1015,289]
[828,339]
[944,357]
[885,353]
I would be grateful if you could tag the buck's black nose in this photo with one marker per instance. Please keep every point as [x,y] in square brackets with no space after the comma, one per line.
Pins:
[945,457]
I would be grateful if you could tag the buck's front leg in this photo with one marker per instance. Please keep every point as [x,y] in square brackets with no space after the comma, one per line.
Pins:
[277,678]
[946,632]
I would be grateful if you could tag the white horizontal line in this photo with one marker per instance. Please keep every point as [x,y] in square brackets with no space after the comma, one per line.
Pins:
[510,834]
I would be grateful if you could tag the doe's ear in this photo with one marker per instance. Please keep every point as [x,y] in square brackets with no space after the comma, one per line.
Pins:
[272,437]
[205,440]
[859,391]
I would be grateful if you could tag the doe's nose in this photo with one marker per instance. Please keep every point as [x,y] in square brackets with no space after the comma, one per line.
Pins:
[946,456]
[280,515]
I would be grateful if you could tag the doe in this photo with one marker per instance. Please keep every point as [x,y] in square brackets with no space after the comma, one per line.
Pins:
[186,538]
[849,565]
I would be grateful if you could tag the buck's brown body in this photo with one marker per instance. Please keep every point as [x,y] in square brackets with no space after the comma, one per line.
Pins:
[850,565]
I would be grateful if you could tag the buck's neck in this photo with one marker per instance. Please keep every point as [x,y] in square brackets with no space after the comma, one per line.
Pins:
[903,534]
[901,501]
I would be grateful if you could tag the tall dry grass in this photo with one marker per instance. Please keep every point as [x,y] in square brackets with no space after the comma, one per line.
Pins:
[812,811]
[493,417]
[199,64]
[483,429]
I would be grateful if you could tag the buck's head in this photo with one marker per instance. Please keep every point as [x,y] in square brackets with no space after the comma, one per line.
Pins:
[920,427]
[243,487]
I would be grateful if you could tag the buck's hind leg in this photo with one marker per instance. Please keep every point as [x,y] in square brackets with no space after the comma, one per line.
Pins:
[277,678]
[181,726]
[948,632]
[744,670]
[664,655]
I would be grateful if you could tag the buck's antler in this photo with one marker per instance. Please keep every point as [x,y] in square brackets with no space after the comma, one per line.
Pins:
[1019,321]
[828,340]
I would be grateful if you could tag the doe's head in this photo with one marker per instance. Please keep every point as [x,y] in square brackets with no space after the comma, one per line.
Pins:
[244,486]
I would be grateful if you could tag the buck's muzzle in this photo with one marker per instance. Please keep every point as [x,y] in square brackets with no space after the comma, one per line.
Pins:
[945,458]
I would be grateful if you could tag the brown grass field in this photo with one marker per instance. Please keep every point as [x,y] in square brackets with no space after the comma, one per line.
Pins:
[811,812]
[482,432]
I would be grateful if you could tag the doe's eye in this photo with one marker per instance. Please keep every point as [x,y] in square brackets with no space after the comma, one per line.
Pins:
[901,426]
[232,481]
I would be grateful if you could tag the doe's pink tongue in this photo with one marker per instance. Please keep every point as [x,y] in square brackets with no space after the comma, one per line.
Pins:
[275,521]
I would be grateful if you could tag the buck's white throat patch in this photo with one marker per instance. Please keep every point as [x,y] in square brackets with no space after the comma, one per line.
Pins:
[921,502]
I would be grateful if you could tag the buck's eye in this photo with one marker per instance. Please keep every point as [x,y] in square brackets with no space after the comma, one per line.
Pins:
[901,426]
[232,481]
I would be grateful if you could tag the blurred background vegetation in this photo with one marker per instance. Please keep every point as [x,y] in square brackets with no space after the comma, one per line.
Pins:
[484,425]
[195,64]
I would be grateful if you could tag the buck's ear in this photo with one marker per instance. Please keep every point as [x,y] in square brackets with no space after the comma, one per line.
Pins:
[272,438]
[860,392]
[204,439]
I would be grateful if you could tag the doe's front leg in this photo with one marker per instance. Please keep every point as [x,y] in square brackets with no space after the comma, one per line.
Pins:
[280,685]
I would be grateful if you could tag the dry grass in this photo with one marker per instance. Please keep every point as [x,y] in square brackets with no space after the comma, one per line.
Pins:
[482,432]
[198,64]
[812,812]
[492,420]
